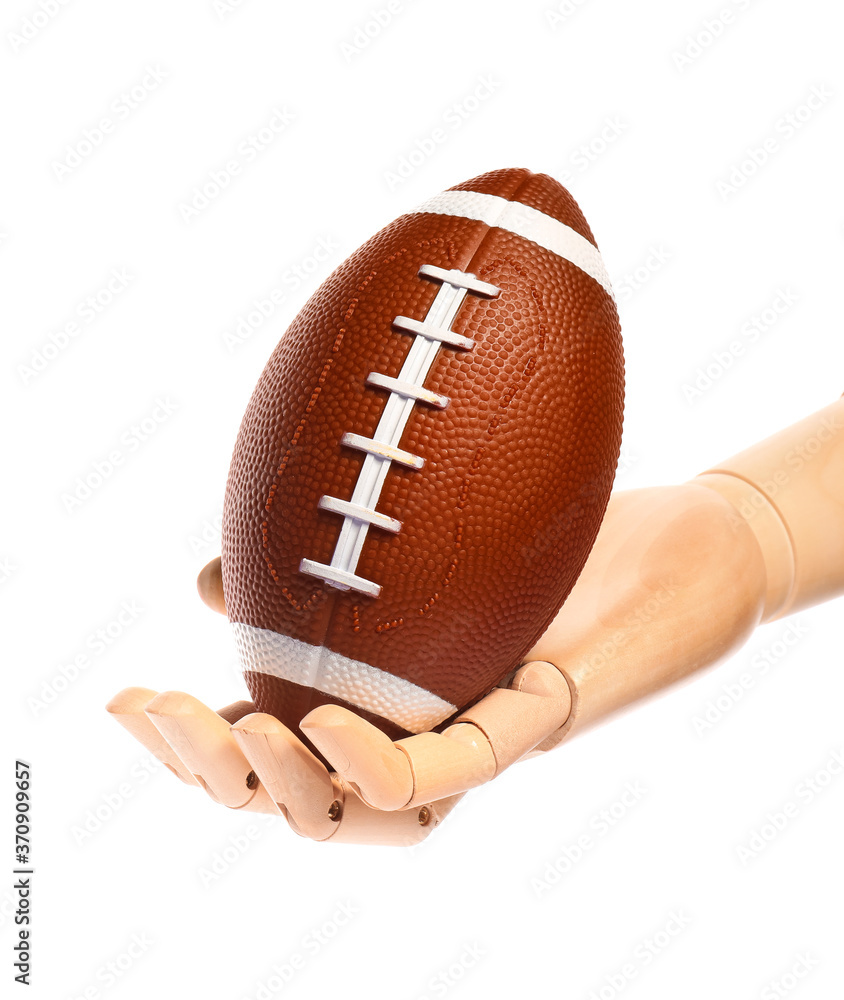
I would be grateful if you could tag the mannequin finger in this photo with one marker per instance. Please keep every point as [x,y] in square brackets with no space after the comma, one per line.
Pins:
[205,745]
[362,755]
[499,730]
[127,707]
[361,824]
[209,583]
[387,774]
[320,805]
[296,781]
[236,711]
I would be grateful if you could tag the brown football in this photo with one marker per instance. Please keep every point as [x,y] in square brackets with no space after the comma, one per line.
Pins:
[425,462]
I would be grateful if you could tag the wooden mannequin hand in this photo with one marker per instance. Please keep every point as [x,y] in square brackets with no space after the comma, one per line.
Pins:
[678,579]
[246,760]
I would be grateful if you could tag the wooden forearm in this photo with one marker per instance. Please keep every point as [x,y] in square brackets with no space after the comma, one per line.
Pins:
[681,576]
[674,582]
[790,490]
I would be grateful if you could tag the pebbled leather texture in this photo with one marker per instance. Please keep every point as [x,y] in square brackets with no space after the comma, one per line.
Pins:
[497,525]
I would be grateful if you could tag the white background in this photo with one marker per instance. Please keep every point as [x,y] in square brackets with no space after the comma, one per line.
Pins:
[601,70]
